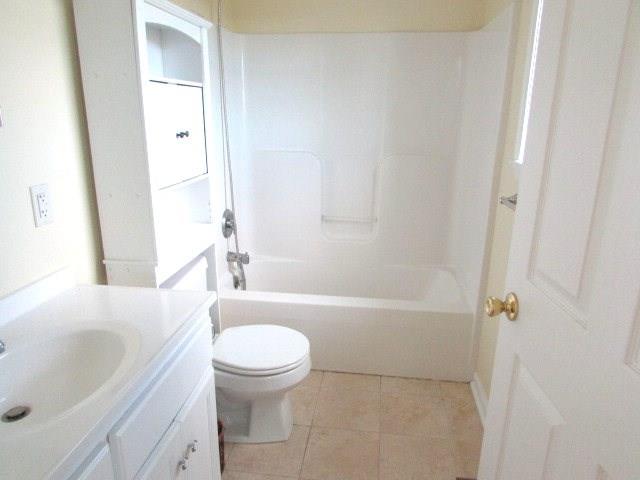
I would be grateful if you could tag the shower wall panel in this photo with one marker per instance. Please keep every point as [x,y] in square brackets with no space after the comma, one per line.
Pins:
[483,97]
[344,145]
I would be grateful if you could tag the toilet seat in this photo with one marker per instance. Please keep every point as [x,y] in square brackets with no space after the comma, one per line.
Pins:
[260,350]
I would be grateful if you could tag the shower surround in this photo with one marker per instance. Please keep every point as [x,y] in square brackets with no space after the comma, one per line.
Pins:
[363,174]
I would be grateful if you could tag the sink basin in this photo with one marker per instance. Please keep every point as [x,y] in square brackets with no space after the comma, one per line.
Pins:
[54,376]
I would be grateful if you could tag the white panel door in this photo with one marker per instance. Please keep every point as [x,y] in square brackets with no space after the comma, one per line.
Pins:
[565,399]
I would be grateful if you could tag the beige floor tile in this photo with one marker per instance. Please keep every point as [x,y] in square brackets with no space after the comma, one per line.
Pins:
[314,379]
[228,447]
[467,457]
[416,458]
[415,415]
[349,409]
[228,475]
[282,458]
[303,401]
[413,386]
[457,392]
[351,380]
[465,421]
[341,455]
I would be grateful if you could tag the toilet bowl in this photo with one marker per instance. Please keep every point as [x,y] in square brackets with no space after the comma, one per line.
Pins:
[255,368]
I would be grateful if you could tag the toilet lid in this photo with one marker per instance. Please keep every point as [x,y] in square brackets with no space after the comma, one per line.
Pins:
[260,349]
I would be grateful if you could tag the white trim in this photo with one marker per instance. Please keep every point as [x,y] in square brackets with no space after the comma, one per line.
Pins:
[32,295]
[480,396]
[180,13]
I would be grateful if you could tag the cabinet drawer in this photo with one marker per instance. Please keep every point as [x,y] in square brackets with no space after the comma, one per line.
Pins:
[135,437]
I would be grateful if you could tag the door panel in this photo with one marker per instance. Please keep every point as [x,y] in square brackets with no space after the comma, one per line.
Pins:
[572,161]
[529,410]
[566,382]
[575,148]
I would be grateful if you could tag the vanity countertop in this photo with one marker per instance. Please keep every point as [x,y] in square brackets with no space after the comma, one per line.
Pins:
[140,327]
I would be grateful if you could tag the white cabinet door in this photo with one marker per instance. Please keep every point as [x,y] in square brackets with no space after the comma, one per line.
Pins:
[190,153]
[175,132]
[100,467]
[197,436]
[166,462]
[566,383]
[187,450]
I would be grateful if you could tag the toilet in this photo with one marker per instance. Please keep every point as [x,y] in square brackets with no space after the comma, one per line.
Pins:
[255,368]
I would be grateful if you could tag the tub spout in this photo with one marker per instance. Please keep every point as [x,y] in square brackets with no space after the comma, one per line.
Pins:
[239,278]
[236,262]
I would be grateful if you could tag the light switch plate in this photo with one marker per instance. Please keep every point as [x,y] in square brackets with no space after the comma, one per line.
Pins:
[42,204]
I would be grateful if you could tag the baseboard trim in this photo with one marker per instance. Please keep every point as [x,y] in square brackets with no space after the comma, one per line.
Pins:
[480,396]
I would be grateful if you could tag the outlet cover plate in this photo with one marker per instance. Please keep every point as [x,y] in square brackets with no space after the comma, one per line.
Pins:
[42,204]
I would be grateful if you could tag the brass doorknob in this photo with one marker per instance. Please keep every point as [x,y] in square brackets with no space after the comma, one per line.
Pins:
[494,306]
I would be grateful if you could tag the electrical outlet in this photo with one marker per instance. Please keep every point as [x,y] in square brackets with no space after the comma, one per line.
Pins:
[42,204]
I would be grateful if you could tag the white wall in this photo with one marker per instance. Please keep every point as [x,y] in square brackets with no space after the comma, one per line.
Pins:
[352,125]
[479,140]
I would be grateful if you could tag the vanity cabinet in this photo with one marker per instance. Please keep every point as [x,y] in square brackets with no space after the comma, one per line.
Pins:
[143,399]
[171,430]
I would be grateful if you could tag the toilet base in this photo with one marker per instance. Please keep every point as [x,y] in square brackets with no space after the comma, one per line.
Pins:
[262,420]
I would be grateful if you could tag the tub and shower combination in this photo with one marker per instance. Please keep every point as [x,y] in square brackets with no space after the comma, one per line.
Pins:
[390,321]
[363,167]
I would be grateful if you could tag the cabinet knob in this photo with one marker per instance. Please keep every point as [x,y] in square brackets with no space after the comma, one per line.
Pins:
[193,446]
[182,134]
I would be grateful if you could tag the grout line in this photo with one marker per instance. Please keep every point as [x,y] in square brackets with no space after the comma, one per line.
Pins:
[306,445]
[304,455]
[379,429]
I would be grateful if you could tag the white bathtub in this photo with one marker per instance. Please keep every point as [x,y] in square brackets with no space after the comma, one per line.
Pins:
[392,320]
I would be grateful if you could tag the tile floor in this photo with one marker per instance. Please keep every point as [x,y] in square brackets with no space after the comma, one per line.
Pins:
[367,427]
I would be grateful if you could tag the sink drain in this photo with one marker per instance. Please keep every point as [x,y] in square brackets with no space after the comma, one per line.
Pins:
[16,413]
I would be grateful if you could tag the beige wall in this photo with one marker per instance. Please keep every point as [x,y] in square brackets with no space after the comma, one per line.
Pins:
[44,140]
[493,7]
[278,16]
[503,223]
[204,8]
